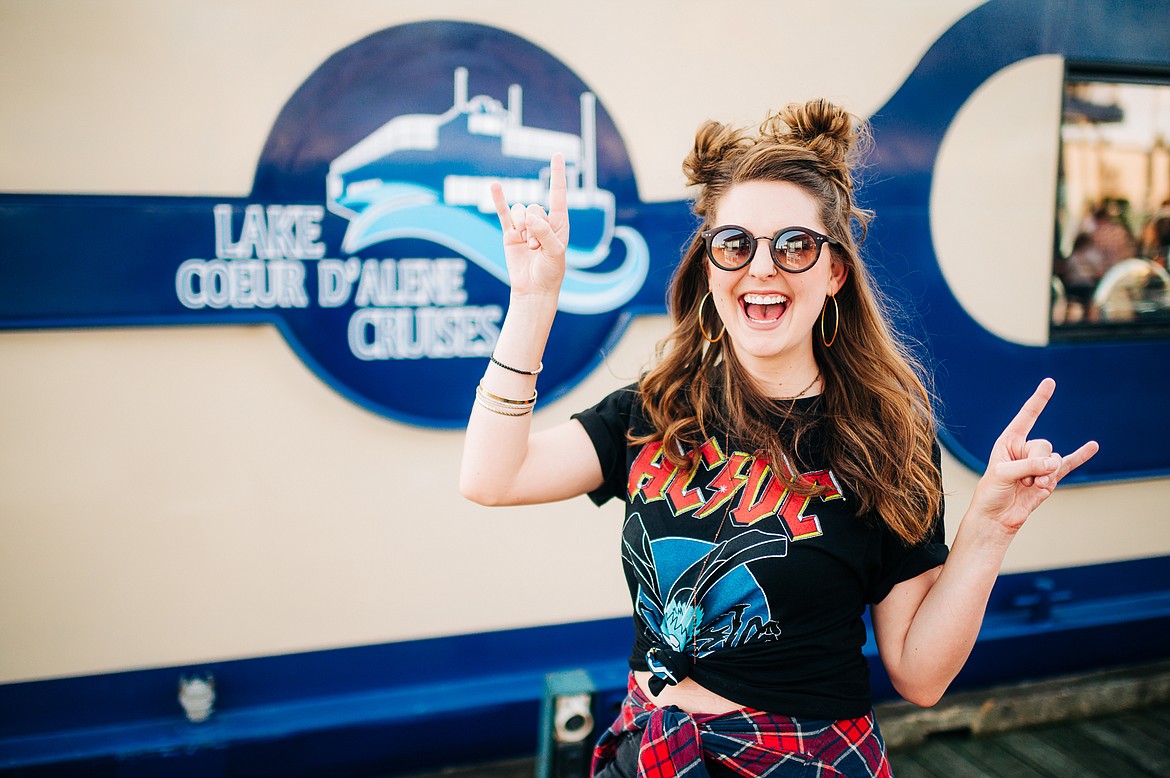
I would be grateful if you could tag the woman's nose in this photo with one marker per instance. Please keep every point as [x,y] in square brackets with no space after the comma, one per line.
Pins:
[762,265]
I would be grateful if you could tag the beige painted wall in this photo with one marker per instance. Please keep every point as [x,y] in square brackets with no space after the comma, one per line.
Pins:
[180,495]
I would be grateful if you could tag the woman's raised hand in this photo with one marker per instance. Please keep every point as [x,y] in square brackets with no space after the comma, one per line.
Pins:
[1022,473]
[535,242]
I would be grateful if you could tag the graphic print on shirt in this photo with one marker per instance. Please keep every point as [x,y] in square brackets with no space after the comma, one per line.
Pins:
[761,494]
[693,594]
[697,596]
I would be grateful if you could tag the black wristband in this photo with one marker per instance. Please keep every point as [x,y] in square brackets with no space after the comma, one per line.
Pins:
[516,369]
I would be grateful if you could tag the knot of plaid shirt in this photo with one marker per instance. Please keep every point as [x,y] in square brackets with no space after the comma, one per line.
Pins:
[749,742]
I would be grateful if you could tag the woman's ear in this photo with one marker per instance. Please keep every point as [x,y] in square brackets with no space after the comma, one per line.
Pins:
[838,272]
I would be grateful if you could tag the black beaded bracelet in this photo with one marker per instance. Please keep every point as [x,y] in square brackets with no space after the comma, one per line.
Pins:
[516,369]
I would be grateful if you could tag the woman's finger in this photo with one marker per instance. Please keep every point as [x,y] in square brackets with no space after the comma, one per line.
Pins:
[1023,422]
[519,219]
[557,186]
[1078,458]
[502,209]
[518,214]
[540,231]
[534,215]
[1037,448]
[1029,469]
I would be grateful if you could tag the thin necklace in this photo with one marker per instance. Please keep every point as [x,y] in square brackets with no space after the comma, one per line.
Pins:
[800,394]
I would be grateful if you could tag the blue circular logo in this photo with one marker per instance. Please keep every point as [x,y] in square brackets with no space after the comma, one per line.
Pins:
[372,195]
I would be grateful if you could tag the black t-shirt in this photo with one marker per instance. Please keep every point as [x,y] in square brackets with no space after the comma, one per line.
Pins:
[782,579]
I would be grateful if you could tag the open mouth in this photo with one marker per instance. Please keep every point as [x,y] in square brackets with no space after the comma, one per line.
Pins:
[764,308]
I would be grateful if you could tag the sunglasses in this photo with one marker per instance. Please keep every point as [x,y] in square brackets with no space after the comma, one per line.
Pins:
[793,249]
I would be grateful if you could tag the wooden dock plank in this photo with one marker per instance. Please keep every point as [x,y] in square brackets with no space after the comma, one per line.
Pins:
[957,759]
[1096,759]
[1132,738]
[996,760]
[930,758]
[1042,756]
[1161,716]
[906,765]
[1154,732]
[961,757]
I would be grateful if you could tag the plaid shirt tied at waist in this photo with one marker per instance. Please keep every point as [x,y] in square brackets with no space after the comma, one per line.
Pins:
[749,742]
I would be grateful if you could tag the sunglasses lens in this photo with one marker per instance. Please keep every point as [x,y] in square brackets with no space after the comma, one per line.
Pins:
[795,250]
[731,248]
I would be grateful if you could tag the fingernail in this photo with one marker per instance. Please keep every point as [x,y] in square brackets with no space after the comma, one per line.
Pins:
[519,214]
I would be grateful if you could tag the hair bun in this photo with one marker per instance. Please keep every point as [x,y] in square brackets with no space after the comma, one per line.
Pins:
[825,129]
[713,143]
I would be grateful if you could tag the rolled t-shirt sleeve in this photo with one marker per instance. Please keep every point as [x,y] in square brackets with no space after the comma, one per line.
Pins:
[607,425]
[900,562]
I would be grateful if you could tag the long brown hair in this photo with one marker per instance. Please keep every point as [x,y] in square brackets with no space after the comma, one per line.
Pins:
[877,422]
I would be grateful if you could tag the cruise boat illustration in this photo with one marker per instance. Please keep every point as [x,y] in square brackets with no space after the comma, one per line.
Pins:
[429,176]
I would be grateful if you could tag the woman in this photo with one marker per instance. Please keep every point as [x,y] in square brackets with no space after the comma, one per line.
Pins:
[778,467]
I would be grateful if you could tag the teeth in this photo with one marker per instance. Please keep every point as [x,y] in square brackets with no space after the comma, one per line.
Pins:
[765,299]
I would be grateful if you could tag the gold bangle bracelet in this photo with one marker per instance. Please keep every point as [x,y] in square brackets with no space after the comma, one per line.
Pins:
[501,410]
[505,400]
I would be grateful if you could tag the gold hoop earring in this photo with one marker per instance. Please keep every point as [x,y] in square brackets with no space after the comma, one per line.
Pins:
[707,337]
[836,321]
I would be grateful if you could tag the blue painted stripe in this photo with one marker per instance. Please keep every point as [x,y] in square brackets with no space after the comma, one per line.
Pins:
[388,707]
[275,681]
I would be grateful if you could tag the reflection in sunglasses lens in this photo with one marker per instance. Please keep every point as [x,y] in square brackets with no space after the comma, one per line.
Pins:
[731,248]
[795,249]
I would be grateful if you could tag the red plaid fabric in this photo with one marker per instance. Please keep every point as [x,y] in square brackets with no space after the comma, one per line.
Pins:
[748,742]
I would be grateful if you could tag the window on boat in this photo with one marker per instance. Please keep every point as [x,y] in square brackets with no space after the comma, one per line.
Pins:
[1110,277]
